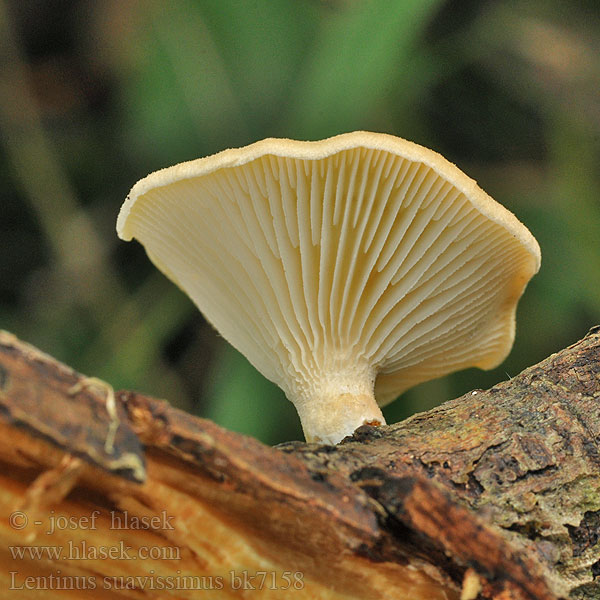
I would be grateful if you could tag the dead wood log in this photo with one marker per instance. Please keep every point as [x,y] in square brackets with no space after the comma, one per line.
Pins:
[494,495]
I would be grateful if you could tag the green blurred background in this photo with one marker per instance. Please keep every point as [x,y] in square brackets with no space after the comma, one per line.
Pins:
[96,94]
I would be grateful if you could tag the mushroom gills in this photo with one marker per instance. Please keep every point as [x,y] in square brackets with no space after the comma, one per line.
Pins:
[345,270]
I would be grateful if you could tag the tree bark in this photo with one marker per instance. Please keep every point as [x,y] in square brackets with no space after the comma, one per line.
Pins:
[493,495]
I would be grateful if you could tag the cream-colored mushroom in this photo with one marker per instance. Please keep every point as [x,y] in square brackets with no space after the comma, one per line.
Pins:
[346,270]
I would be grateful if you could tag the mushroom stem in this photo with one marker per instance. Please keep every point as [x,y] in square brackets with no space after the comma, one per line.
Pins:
[329,418]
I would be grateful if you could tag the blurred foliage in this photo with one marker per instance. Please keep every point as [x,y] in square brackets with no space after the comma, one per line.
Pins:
[94,95]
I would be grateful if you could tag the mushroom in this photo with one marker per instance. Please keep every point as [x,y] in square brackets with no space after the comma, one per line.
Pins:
[346,270]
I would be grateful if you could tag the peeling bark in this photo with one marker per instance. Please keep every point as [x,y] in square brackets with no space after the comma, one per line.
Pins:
[492,495]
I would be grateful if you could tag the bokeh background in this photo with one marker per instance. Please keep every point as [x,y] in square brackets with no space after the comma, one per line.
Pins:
[95,95]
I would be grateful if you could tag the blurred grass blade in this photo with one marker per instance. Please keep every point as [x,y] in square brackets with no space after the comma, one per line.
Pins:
[242,400]
[358,53]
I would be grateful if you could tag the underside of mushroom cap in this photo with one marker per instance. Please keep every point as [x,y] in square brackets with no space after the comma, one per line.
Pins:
[335,264]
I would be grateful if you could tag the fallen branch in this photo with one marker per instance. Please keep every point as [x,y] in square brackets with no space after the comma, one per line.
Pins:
[492,495]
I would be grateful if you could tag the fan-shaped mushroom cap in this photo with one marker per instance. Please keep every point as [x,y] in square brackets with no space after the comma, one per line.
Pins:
[358,264]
